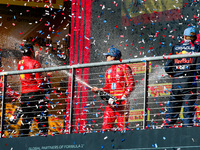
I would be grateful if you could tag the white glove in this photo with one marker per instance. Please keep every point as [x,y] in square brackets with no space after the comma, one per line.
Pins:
[123,98]
[111,101]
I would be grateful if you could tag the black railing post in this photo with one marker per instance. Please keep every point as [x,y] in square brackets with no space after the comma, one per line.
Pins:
[146,79]
[71,100]
[3,103]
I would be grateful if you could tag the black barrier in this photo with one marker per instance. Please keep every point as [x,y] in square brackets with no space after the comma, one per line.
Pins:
[169,139]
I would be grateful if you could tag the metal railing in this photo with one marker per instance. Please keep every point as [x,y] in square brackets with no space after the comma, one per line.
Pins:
[73,108]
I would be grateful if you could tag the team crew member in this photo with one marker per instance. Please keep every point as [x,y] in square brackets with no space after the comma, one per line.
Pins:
[184,72]
[119,82]
[32,97]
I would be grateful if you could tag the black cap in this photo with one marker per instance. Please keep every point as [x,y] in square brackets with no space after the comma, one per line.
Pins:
[27,49]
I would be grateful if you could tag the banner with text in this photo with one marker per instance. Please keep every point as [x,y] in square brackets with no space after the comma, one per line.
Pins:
[138,68]
[137,115]
[161,89]
[143,12]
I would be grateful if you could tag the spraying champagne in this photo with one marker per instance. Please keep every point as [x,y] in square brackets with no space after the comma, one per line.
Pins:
[110,99]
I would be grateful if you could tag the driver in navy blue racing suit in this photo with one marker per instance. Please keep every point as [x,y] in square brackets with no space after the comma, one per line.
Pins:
[184,73]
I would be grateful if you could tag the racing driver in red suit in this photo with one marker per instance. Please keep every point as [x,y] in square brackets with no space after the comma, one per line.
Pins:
[32,97]
[119,82]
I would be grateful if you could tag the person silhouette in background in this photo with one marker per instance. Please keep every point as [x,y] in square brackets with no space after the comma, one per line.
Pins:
[119,82]
[12,97]
[184,72]
[197,41]
[32,97]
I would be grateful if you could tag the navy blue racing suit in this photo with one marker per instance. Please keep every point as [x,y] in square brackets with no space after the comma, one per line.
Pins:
[184,72]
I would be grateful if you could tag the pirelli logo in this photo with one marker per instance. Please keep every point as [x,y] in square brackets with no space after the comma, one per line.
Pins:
[138,68]
[35,3]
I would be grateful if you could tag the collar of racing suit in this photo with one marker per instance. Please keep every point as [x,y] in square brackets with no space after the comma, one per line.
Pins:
[26,57]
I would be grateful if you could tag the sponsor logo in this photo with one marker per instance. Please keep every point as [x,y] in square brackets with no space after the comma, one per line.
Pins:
[54,147]
[184,47]
[137,115]
[138,68]
[156,90]
[183,61]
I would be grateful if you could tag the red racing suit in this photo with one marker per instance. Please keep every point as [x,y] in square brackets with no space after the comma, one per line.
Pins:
[30,82]
[119,82]
[32,98]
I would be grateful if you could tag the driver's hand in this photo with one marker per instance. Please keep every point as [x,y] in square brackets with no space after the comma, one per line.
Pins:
[95,89]
[111,101]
